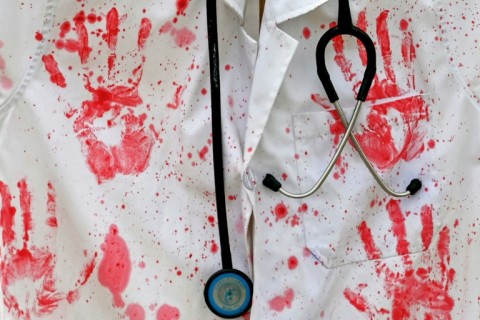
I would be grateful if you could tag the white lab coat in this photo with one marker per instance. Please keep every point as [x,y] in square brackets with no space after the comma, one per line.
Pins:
[117,198]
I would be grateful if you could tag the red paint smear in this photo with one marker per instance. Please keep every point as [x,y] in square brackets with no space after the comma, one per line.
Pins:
[144,32]
[279,303]
[167,27]
[292,262]
[398,226]
[167,312]
[182,5]
[115,268]
[7,215]
[184,37]
[281,211]
[367,238]
[427,226]
[135,312]
[51,207]
[82,44]
[362,23]
[25,205]
[56,75]
[6,82]
[87,271]
[65,28]
[385,46]
[358,301]
[306,33]
[341,60]
[177,98]
[112,29]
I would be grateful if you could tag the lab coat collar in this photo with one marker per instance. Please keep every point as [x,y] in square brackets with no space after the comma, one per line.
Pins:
[238,6]
[284,10]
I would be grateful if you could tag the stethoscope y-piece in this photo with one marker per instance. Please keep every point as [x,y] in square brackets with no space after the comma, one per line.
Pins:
[228,292]
[345,27]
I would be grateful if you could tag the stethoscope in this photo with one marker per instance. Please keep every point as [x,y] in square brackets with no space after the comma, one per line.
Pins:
[345,27]
[228,293]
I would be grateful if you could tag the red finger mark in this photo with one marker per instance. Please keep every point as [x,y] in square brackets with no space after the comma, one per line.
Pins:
[112,28]
[167,312]
[398,226]
[408,51]
[82,46]
[384,41]
[363,25]
[115,268]
[51,207]
[144,32]
[358,301]
[25,204]
[279,303]
[370,247]
[7,215]
[177,98]
[135,312]
[427,226]
[443,247]
[56,75]
[340,58]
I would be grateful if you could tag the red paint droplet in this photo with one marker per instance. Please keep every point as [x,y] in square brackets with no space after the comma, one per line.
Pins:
[203,153]
[228,67]
[404,25]
[306,33]
[38,36]
[281,211]
[135,312]
[431,144]
[292,262]
[204,91]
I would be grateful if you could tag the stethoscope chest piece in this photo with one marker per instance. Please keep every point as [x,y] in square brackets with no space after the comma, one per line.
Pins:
[228,293]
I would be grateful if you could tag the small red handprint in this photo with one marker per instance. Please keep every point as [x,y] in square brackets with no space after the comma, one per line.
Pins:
[29,285]
[380,137]
[413,291]
[113,99]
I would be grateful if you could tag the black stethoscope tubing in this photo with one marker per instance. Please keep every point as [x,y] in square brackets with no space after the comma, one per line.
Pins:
[228,292]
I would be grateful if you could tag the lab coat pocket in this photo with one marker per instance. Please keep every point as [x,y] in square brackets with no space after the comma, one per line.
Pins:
[351,218]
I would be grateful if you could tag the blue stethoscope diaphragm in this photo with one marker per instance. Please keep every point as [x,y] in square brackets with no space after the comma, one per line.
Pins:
[228,293]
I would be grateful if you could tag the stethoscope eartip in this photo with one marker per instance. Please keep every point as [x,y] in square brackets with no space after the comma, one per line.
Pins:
[228,293]
[271,183]
[414,186]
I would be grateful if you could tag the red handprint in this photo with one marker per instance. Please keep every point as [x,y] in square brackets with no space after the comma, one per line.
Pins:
[32,268]
[412,291]
[113,101]
[383,144]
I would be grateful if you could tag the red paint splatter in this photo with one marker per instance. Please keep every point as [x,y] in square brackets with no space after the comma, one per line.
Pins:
[184,37]
[177,98]
[292,262]
[112,29]
[182,5]
[279,303]
[56,75]
[135,312]
[34,265]
[413,292]
[306,33]
[203,153]
[115,268]
[51,207]
[281,211]
[38,36]
[214,248]
[167,312]
[144,32]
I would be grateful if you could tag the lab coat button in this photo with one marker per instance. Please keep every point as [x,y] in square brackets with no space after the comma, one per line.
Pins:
[248,179]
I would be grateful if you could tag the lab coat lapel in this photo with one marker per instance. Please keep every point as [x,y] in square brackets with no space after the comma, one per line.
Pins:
[276,49]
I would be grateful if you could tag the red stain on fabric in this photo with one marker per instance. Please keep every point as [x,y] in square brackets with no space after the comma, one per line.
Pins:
[306,33]
[183,37]
[144,32]
[5,81]
[167,312]
[203,153]
[177,98]
[112,26]
[279,303]
[51,207]
[280,211]
[135,312]
[33,265]
[38,36]
[115,268]
[377,135]
[182,5]
[56,75]
[416,291]
[292,263]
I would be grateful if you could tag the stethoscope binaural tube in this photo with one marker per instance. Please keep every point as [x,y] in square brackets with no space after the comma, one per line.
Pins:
[228,292]
[345,27]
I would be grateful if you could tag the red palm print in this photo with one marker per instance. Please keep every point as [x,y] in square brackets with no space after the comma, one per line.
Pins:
[113,101]
[377,136]
[413,291]
[31,269]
